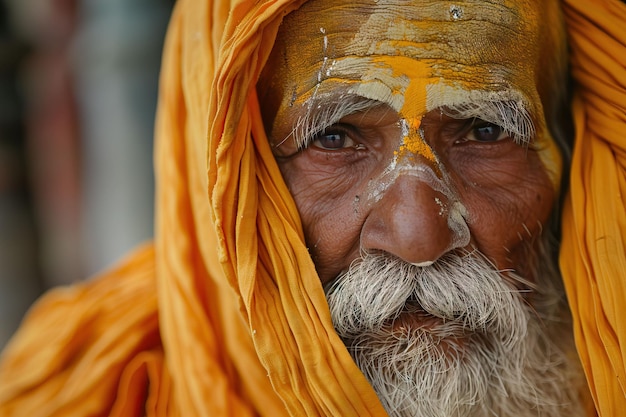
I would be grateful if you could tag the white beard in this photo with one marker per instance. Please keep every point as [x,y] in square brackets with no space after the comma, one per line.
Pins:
[455,339]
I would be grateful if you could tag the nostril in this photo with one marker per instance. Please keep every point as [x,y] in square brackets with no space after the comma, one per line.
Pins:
[457,222]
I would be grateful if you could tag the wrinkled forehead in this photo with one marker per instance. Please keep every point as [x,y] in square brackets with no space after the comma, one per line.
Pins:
[461,45]
[467,32]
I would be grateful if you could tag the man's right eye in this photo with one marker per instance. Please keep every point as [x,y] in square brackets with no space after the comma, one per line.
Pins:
[332,140]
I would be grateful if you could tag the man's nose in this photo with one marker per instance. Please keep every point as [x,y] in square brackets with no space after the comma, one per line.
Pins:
[414,222]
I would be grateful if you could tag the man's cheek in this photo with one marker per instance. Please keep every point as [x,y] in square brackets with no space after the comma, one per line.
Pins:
[506,217]
[331,229]
[517,173]
[326,198]
[317,184]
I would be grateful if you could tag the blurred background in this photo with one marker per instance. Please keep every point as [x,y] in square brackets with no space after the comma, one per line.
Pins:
[78,89]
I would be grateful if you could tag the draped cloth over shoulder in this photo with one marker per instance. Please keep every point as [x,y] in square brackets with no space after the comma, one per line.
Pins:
[225,315]
[593,252]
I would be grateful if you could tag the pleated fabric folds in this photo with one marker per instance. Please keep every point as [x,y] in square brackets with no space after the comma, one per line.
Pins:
[223,314]
[593,251]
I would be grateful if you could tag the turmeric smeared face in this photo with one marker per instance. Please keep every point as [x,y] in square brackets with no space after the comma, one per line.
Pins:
[413,138]
[414,128]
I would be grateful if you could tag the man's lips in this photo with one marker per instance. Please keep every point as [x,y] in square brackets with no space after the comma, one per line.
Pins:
[414,318]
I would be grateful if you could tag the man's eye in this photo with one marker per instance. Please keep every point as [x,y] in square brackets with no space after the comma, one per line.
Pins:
[485,132]
[332,140]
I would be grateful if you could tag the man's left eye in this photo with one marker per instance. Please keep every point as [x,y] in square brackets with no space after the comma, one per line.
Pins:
[485,132]
[332,140]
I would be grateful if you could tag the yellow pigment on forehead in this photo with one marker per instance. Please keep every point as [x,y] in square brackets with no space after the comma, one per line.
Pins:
[393,50]
[418,76]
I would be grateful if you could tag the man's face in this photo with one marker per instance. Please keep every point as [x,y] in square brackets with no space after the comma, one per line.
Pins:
[413,128]
[412,137]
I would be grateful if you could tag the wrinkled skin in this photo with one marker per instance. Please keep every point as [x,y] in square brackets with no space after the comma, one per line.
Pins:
[505,189]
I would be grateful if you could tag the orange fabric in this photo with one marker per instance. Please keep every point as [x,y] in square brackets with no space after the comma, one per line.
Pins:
[224,315]
[77,343]
[593,252]
[243,328]
[243,315]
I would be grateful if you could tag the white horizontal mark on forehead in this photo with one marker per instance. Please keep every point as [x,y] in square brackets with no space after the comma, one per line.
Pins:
[373,80]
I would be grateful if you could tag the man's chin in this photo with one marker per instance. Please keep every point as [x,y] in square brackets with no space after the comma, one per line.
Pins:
[442,369]
[417,367]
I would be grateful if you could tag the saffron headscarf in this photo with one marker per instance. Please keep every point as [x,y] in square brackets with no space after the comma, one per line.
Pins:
[224,314]
[593,250]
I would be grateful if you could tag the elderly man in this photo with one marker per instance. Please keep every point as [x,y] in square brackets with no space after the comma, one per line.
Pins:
[364,225]
[424,167]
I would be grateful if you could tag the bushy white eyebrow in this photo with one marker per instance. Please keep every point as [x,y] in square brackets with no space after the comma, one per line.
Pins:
[511,116]
[504,109]
[323,111]
[507,109]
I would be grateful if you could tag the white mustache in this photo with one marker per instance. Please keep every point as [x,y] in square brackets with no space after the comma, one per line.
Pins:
[465,290]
